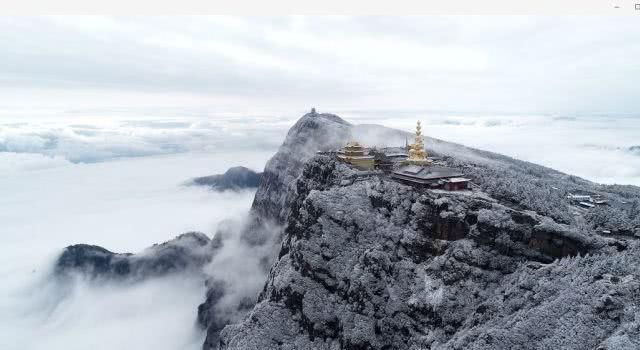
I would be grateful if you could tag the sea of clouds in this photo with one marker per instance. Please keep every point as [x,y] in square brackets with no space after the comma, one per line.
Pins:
[600,148]
[119,184]
[124,205]
[118,181]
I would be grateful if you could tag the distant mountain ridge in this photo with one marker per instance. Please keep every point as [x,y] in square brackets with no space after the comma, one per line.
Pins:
[188,252]
[236,178]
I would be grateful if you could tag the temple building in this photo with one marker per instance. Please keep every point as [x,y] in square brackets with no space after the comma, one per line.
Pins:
[387,158]
[431,177]
[418,170]
[355,154]
[417,154]
[456,184]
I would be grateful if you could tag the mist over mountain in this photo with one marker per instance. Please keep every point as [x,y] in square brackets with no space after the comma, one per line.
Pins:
[125,206]
[163,185]
[414,269]
[598,148]
[331,258]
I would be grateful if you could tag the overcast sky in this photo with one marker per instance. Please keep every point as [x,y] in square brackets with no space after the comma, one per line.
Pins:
[473,64]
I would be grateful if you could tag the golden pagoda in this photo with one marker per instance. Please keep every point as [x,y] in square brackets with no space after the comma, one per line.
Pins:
[356,155]
[417,154]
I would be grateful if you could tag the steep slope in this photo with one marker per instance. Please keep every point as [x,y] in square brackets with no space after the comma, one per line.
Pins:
[313,132]
[262,233]
[358,261]
[367,263]
[374,264]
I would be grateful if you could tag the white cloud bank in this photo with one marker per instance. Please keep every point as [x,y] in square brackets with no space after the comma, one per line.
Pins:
[100,139]
[154,314]
[116,182]
[600,148]
[84,158]
[124,205]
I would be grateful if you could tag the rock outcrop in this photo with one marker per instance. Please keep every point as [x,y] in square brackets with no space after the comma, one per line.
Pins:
[373,264]
[312,133]
[188,252]
[271,205]
[354,260]
[236,178]
[368,263]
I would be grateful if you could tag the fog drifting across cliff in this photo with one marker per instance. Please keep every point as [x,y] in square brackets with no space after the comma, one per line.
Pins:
[363,260]
[154,314]
[65,184]
[124,205]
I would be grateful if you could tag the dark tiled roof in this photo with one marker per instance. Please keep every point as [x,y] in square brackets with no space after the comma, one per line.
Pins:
[427,172]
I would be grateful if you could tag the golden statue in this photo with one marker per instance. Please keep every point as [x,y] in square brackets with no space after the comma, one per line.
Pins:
[417,154]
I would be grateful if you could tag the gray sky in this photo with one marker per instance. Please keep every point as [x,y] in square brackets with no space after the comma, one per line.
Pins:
[473,64]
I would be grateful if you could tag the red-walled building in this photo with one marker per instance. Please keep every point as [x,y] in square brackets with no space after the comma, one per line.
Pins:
[432,176]
[456,184]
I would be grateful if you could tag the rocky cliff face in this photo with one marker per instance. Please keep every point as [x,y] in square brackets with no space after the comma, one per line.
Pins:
[374,264]
[351,261]
[262,233]
[368,263]
[313,132]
